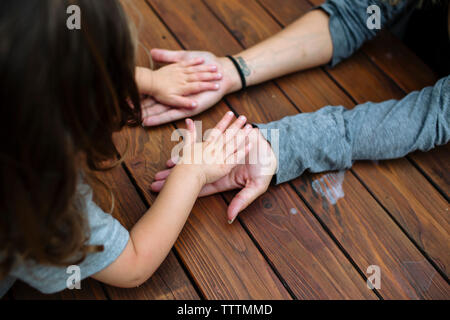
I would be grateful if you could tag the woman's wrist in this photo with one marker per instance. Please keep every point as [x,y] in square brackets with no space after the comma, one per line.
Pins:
[231,76]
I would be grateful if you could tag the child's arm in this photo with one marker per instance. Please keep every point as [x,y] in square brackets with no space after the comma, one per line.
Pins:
[155,233]
[173,83]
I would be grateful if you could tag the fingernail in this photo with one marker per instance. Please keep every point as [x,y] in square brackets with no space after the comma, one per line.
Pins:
[216,86]
[230,113]
[213,67]
[194,104]
[242,118]
[231,221]
[219,75]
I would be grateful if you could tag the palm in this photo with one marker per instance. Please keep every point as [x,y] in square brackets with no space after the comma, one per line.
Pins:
[156,113]
[253,179]
[241,176]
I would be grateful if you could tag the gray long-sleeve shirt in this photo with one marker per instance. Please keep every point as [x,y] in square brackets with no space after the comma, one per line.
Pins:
[333,137]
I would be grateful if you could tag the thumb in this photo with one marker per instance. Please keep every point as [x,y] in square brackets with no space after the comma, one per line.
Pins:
[167,56]
[242,200]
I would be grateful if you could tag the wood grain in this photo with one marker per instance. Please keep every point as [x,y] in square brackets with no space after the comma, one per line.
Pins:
[310,288]
[230,13]
[170,280]
[300,250]
[222,259]
[402,190]
[408,73]
[411,74]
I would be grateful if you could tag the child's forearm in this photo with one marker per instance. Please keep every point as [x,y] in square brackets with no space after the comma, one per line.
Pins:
[154,234]
[145,80]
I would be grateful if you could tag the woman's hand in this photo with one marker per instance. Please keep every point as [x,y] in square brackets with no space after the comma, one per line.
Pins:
[225,147]
[173,83]
[253,176]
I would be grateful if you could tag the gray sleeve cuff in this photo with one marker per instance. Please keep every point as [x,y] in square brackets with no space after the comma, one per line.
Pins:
[309,141]
[340,51]
[349,23]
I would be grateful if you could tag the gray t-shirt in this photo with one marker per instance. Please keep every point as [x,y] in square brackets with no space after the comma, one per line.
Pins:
[104,230]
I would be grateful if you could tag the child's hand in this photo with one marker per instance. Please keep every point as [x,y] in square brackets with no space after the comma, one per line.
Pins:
[172,84]
[225,147]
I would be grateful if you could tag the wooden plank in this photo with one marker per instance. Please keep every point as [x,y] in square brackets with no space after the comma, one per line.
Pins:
[401,65]
[399,62]
[311,278]
[226,11]
[401,189]
[221,258]
[288,238]
[425,220]
[436,165]
[262,97]
[372,238]
[410,74]
[170,280]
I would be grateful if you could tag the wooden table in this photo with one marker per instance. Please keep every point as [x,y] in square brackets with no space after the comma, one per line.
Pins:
[296,241]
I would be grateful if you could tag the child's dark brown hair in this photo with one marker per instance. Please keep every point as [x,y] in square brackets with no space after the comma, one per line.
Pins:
[63,94]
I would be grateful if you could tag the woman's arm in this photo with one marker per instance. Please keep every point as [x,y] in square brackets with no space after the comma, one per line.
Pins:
[333,137]
[304,44]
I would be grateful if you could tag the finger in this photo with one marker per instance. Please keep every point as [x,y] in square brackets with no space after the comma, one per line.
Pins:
[192,62]
[162,175]
[148,112]
[182,102]
[147,103]
[157,186]
[170,115]
[241,153]
[197,87]
[167,56]
[154,110]
[235,146]
[204,76]
[190,126]
[220,127]
[221,185]
[202,68]
[242,200]
[232,130]
[172,162]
